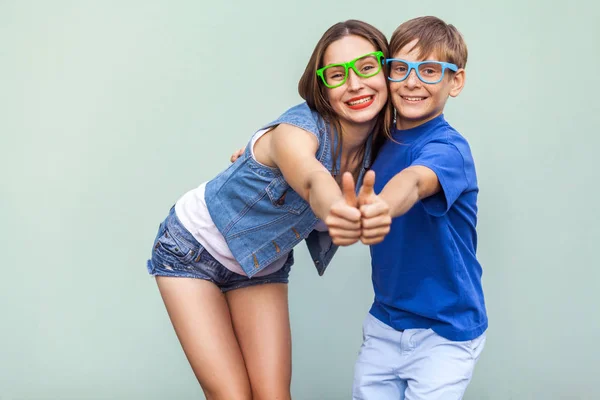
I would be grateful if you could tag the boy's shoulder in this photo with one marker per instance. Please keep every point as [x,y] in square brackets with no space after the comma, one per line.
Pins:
[444,133]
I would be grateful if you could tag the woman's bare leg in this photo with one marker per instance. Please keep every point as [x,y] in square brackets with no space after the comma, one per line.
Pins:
[202,321]
[261,321]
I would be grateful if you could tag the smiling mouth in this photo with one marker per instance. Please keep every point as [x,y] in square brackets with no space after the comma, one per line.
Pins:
[360,102]
[413,99]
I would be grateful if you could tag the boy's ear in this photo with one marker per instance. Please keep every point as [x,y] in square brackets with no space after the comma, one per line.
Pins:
[457,83]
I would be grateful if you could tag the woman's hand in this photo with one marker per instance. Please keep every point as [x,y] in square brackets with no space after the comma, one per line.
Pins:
[343,219]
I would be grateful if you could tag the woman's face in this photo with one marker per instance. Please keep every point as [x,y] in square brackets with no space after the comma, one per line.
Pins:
[359,100]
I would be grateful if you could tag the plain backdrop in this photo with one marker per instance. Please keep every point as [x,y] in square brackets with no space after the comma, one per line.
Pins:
[111,110]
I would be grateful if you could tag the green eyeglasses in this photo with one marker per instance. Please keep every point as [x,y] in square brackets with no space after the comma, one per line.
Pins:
[335,75]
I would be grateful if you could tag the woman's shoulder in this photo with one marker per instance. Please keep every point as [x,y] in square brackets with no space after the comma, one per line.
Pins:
[301,116]
[301,112]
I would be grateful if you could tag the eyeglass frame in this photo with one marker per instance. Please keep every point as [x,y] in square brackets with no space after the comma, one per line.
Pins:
[350,65]
[414,65]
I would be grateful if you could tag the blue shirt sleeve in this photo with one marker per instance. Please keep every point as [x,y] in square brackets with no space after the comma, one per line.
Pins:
[449,165]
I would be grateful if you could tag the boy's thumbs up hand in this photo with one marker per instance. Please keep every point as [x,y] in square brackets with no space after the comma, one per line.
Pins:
[375,212]
[366,194]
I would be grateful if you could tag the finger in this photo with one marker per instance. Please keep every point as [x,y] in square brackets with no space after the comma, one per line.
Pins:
[374,233]
[344,211]
[351,220]
[343,242]
[376,222]
[368,184]
[374,209]
[340,223]
[345,233]
[372,241]
[236,155]
[348,189]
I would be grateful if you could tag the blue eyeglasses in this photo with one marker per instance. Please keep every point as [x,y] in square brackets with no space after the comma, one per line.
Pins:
[429,72]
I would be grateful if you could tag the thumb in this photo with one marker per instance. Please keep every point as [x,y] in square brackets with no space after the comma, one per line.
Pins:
[366,189]
[348,189]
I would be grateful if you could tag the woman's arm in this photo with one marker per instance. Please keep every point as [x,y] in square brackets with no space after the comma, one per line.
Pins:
[292,150]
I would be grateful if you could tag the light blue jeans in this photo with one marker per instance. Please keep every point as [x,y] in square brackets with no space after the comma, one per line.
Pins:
[414,364]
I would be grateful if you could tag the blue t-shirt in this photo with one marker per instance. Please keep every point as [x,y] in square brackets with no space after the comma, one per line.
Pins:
[425,272]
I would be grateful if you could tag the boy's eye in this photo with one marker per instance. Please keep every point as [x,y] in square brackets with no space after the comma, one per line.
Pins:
[430,70]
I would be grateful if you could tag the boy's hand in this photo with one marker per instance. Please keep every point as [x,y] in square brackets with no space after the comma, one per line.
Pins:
[236,155]
[343,219]
[375,212]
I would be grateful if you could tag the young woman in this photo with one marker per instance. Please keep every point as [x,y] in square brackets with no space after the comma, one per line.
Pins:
[223,255]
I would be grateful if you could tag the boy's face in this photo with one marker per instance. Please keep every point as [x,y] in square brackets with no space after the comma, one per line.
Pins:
[417,102]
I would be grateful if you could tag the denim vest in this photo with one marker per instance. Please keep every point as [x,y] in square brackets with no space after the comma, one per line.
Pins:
[260,216]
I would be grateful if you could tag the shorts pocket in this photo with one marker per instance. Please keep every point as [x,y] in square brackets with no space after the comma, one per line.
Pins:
[172,247]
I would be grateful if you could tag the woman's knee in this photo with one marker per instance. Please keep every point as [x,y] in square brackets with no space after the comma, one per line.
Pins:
[228,392]
[271,392]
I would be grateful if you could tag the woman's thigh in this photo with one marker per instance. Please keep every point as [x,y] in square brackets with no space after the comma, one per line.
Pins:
[200,315]
[261,321]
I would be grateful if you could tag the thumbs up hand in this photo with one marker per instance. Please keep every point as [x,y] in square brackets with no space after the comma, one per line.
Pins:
[367,193]
[375,212]
[343,219]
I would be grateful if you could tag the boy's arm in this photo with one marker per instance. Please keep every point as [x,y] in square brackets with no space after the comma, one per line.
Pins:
[408,187]
[398,196]
[437,177]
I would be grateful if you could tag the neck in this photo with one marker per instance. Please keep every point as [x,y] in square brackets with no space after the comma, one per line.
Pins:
[354,140]
[404,124]
[355,136]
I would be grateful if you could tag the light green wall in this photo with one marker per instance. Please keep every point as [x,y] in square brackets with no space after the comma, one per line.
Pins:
[110,110]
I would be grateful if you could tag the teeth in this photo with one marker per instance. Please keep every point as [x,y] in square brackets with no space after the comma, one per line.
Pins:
[353,103]
[414,98]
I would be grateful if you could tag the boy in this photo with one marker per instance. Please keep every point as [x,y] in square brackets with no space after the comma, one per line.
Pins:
[426,328]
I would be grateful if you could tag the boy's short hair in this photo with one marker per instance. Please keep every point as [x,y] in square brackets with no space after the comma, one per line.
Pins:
[435,37]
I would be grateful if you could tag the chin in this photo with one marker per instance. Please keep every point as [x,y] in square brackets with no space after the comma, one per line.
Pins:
[364,119]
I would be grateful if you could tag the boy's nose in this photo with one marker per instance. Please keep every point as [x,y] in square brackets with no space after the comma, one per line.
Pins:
[413,80]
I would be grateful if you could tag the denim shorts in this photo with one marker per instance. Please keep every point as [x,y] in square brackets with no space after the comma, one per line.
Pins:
[177,253]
